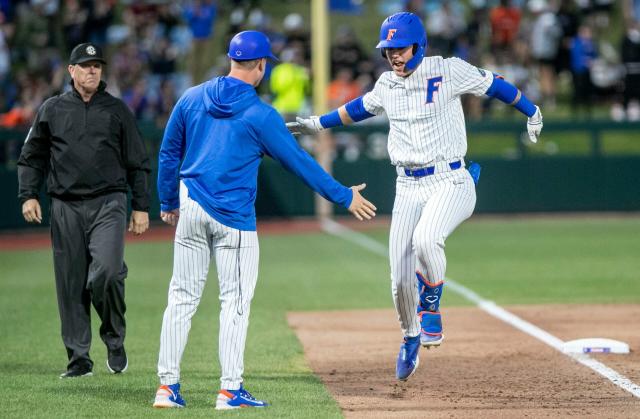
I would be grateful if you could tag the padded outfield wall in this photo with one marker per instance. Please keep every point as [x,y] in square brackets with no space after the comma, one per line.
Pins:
[586,166]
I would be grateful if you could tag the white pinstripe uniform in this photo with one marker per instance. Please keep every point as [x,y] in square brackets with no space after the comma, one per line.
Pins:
[198,238]
[427,128]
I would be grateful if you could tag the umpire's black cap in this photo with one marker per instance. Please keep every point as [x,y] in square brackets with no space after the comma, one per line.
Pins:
[86,52]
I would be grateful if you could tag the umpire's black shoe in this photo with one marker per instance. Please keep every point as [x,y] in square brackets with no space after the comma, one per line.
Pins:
[117,361]
[78,370]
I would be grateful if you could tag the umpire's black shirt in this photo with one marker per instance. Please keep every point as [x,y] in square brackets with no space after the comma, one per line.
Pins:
[85,149]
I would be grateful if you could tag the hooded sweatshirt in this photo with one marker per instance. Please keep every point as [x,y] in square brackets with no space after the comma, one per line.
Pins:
[220,130]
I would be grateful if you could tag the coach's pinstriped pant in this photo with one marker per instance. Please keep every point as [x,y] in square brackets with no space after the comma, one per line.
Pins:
[425,212]
[198,238]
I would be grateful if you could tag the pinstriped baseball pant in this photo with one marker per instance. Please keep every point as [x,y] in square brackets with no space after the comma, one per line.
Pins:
[198,238]
[425,212]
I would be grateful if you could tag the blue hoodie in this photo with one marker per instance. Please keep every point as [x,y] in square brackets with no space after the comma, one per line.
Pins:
[220,130]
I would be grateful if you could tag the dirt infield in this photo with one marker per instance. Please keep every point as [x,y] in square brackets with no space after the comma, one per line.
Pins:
[484,369]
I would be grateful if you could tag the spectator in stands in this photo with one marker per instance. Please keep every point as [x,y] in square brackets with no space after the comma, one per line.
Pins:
[289,84]
[101,17]
[200,16]
[583,51]
[546,35]
[75,17]
[631,11]
[128,64]
[296,33]
[5,54]
[162,57]
[505,23]
[346,52]
[164,103]
[446,22]
[136,98]
[569,21]
[631,60]
[343,88]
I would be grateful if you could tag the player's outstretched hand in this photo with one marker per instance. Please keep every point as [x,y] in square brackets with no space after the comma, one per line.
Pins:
[534,125]
[139,222]
[360,207]
[306,126]
[170,217]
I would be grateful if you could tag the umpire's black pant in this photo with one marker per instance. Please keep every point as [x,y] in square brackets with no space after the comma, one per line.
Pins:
[88,256]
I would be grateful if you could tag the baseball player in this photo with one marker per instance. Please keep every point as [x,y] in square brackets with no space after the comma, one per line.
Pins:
[213,144]
[427,144]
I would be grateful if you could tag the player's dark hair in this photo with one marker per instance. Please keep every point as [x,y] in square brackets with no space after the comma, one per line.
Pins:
[246,64]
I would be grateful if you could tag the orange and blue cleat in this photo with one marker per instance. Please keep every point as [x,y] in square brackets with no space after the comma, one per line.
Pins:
[169,396]
[235,399]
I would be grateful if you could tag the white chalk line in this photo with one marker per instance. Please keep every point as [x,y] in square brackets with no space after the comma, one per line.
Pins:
[491,308]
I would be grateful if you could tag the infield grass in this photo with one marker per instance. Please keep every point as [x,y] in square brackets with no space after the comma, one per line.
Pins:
[511,261]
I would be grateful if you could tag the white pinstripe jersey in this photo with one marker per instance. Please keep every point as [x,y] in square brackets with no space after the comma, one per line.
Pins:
[424,109]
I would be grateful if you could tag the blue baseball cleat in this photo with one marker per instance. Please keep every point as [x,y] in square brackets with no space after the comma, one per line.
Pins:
[169,396]
[431,329]
[408,360]
[235,399]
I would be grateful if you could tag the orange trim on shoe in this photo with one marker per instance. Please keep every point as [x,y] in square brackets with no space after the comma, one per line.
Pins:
[165,388]
[227,393]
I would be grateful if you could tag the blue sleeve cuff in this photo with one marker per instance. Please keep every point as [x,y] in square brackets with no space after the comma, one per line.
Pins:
[525,106]
[166,207]
[356,110]
[509,94]
[330,120]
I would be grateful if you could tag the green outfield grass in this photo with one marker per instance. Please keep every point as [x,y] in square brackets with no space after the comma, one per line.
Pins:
[517,261]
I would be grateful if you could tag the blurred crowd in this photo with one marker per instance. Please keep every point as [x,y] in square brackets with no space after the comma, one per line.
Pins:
[158,48]
[548,48]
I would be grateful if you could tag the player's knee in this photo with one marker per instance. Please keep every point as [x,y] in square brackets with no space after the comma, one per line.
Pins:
[428,246]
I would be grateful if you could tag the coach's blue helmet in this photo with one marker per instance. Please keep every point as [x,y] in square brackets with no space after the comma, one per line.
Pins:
[401,30]
[250,45]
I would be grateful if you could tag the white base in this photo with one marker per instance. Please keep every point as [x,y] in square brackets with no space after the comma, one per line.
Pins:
[595,345]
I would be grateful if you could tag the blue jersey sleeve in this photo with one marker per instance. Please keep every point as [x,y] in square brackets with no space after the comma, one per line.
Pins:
[171,153]
[282,147]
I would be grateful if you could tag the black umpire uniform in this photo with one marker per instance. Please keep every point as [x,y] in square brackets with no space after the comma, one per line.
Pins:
[90,151]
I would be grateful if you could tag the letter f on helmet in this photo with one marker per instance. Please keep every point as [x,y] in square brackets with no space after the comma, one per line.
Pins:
[390,34]
[401,30]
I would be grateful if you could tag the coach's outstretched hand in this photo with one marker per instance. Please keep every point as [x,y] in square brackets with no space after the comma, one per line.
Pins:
[534,125]
[360,207]
[305,126]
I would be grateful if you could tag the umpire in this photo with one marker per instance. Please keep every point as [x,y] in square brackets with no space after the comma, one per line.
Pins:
[86,143]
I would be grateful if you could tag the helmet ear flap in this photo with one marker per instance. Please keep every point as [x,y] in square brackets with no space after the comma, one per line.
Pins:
[383,52]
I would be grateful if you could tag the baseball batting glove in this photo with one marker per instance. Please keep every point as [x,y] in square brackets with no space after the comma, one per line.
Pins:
[305,126]
[534,125]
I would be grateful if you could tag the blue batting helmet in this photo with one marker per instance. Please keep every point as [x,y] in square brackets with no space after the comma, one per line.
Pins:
[401,30]
[250,45]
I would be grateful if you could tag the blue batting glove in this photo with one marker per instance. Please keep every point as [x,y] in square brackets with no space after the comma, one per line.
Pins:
[474,170]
